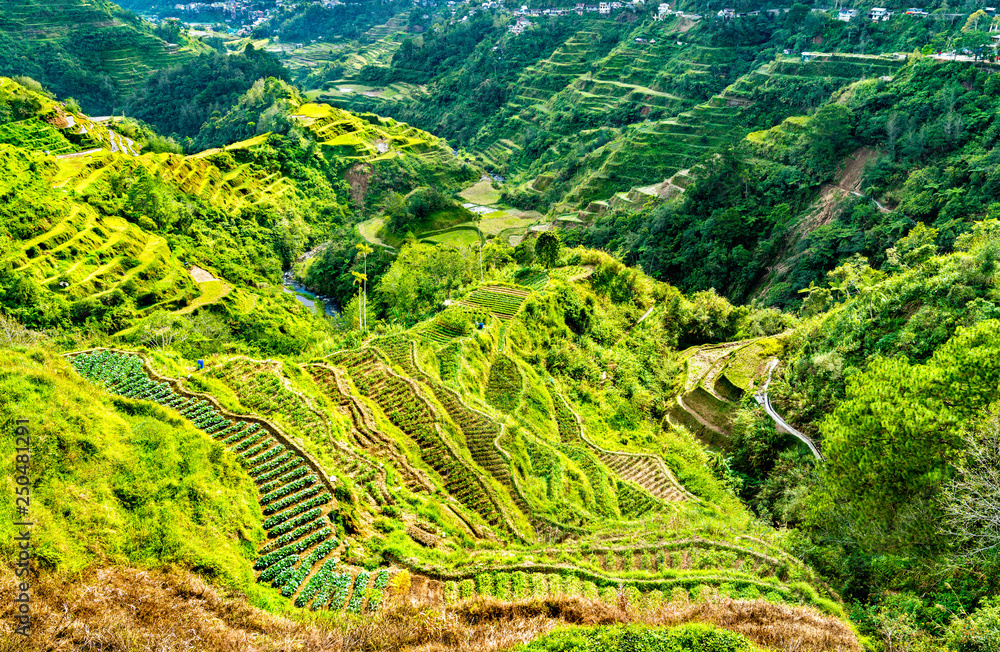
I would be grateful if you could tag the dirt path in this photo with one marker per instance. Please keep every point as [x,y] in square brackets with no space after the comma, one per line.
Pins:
[849,178]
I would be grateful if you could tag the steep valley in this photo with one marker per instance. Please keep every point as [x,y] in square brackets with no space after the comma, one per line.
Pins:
[650,329]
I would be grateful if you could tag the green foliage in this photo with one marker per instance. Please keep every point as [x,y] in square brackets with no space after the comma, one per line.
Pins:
[179,100]
[174,496]
[421,210]
[95,52]
[891,441]
[978,632]
[263,108]
[683,638]
[420,280]
[503,391]
[547,248]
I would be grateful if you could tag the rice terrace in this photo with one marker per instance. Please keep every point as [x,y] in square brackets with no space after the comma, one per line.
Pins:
[355,326]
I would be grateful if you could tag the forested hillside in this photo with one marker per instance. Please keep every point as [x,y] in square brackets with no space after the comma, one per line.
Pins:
[443,327]
[91,50]
[594,121]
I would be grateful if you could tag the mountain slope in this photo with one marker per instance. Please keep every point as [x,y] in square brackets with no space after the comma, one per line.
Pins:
[92,50]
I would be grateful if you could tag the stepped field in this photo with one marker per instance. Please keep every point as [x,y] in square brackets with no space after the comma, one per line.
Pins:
[391,403]
[109,40]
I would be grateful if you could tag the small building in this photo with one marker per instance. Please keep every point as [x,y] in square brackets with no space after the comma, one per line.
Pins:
[879,14]
[727,14]
[846,15]
[604,8]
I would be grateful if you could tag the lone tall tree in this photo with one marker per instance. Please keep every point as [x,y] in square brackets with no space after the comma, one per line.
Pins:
[360,280]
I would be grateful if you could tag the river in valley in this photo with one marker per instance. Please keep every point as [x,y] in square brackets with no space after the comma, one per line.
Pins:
[308,298]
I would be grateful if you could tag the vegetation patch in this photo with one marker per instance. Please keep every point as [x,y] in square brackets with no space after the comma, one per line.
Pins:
[503,390]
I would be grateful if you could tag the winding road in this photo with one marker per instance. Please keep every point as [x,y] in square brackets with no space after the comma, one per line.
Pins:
[762,398]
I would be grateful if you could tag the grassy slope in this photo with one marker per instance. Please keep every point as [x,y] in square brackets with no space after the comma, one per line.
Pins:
[119,481]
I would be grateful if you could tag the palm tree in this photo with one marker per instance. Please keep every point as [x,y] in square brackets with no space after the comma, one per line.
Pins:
[360,280]
[479,232]
[364,250]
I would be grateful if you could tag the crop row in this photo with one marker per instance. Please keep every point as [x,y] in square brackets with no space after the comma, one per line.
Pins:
[261,475]
[247,442]
[295,517]
[288,501]
[294,474]
[296,533]
[319,586]
[253,451]
[277,568]
[503,389]
[270,558]
[260,389]
[340,588]
[497,302]
[441,333]
[358,595]
[291,487]
[268,455]
[378,589]
[299,508]
[520,585]
[569,427]
[411,414]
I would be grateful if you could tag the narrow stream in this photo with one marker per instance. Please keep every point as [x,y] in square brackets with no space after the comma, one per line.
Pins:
[307,298]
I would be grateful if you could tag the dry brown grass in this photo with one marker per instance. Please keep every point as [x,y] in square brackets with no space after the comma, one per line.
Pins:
[123,609]
[776,626]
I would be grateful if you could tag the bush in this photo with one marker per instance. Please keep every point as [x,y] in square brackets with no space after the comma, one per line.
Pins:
[637,638]
[979,632]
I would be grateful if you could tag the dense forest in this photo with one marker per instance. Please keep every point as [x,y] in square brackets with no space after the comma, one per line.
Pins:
[178,101]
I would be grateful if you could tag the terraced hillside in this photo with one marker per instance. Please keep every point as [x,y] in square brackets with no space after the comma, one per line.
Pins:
[406,407]
[482,433]
[106,40]
[370,459]
[84,254]
[647,574]
[625,483]
[52,129]
[647,471]
[300,556]
[502,302]
[717,378]
[295,494]
[649,152]
[366,136]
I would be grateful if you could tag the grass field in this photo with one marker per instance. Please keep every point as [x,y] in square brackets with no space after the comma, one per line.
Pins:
[493,226]
[460,236]
[481,193]
[211,291]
